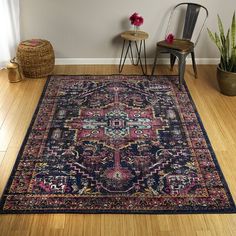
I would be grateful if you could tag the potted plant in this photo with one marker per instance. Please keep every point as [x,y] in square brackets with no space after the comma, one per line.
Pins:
[226,70]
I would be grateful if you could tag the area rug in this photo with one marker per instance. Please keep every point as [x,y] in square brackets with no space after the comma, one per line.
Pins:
[116,144]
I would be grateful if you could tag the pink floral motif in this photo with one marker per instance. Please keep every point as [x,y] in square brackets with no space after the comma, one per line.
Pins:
[136,19]
[169,38]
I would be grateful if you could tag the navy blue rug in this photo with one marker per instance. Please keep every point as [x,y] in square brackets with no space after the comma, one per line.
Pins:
[116,144]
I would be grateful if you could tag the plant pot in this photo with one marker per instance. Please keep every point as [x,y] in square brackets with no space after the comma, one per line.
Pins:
[227,82]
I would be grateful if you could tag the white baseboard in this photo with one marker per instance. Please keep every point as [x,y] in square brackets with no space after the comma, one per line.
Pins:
[116,61]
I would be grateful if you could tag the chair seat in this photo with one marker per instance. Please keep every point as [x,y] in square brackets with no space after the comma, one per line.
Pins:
[177,44]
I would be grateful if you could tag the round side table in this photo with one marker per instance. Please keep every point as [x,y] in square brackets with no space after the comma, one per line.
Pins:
[133,37]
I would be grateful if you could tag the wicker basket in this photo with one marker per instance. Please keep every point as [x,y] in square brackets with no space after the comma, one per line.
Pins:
[36,58]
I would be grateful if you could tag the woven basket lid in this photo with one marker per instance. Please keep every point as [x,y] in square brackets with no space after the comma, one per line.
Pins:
[33,43]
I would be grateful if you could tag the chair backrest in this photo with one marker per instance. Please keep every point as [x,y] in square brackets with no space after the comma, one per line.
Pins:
[191,16]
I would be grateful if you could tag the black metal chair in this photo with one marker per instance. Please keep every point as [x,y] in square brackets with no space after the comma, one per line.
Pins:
[182,46]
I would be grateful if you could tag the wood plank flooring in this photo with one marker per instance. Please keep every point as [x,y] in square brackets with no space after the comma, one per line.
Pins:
[218,112]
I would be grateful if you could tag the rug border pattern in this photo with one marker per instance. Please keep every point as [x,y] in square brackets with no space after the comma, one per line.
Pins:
[171,212]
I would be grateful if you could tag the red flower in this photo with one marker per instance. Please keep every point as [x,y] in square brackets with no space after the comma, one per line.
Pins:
[136,19]
[133,17]
[170,38]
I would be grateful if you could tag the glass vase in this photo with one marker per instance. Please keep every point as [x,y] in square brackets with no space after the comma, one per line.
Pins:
[136,28]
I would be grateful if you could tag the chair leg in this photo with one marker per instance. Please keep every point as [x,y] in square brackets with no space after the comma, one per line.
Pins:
[194,64]
[182,62]
[172,61]
[155,62]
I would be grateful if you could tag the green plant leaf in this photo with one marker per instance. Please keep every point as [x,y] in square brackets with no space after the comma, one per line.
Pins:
[221,27]
[215,39]
[211,35]
[233,31]
[233,59]
[227,47]
[233,50]
[226,43]
[218,42]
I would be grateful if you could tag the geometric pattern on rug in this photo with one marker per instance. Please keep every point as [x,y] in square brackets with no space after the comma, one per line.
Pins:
[116,144]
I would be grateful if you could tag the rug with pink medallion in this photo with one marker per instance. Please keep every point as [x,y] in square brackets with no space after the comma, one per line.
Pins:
[116,144]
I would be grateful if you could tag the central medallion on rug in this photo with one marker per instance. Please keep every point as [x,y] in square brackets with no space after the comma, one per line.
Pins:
[116,144]
[117,125]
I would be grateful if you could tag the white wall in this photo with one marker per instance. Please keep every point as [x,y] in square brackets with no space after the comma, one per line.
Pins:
[90,28]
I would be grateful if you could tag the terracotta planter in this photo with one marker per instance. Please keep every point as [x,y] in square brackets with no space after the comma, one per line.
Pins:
[227,82]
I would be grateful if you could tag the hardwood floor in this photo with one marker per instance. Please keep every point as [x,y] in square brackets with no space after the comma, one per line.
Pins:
[218,112]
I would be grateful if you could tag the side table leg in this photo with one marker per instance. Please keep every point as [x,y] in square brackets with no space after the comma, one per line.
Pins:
[131,54]
[139,57]
[145,57]
[121,65]
[139,51]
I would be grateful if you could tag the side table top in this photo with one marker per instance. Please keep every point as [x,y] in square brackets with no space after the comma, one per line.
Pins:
[132,35]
